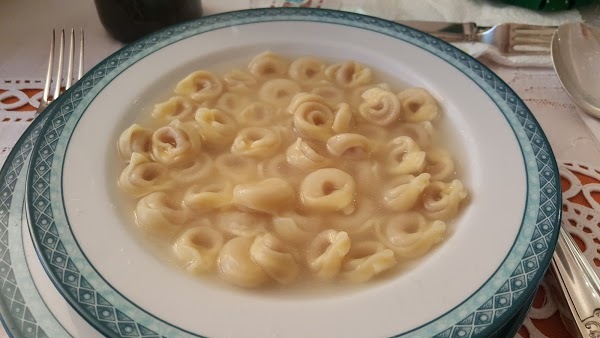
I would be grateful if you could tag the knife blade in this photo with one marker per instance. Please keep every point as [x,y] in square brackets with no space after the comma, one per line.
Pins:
[447,31]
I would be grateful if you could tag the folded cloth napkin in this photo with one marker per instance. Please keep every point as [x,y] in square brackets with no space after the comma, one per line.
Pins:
[482,12]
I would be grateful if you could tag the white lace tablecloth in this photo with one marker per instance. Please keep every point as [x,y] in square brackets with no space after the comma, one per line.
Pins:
[575,147]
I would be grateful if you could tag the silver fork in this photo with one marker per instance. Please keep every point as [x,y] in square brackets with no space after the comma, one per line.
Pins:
[508,38]
[58,77]
[518,39]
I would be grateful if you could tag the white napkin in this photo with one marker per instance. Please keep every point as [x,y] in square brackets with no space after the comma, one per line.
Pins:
[482,12]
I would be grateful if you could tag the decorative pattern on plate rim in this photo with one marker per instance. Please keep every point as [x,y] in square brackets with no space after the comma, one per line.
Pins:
[494,302]
[21,302]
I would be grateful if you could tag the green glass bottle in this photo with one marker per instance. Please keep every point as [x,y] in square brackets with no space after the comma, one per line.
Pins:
[127,20]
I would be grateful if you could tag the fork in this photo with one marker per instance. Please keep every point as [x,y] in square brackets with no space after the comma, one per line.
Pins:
[46,98]
[509,39]
[517,39]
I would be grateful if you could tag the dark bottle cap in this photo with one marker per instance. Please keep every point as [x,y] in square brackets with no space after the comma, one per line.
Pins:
[128,20]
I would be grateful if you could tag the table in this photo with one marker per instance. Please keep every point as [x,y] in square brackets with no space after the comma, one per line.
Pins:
[575,147]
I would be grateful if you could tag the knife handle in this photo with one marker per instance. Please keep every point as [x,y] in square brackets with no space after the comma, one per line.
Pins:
[447,31]
[579,283]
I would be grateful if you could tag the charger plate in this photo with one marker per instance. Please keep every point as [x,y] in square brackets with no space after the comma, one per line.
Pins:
[470,286]
[30,305]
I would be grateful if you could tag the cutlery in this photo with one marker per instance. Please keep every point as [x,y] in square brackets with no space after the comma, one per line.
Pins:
[579,283]
[46,99]
[508,38]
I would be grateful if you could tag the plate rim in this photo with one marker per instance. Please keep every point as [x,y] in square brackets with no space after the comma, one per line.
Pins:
[309,14]
[15,325]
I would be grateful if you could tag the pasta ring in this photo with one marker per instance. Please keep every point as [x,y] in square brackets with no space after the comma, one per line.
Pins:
[198,247]
[351,146]
[409,235]
[326,253]
[380,107]
[275,258]
[328,189]
[200,86]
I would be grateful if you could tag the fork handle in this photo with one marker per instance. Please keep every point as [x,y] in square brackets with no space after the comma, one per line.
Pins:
[447,31]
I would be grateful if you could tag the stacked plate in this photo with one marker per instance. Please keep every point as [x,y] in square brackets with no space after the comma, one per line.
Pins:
[71,267]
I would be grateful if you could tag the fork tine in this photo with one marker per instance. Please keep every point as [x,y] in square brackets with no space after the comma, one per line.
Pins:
[70,60]
[61,52]
[530,52]
[81,45]
[49,71]
[46,99]
[532,41]
[533,30]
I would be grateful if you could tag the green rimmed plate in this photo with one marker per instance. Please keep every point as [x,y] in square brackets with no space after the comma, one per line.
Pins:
[478,279]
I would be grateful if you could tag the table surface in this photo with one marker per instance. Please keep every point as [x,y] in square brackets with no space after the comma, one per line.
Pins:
[23,64]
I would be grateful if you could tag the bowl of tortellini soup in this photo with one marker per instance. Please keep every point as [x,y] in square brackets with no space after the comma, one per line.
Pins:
[291,172]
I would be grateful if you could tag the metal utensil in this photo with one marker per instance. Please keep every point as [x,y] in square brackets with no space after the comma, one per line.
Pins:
[58,77]
[579,283]
[508,38]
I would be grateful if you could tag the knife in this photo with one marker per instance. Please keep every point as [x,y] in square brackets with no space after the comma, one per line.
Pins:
[580,285]
[448,31]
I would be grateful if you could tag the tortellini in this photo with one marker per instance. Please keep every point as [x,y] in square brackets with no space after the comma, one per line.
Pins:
[175,108]
[404,192]
[307,70]
[405,156]
[351,146]
[301,155]
[328,189]
[159,212]
[135,139]
[409,234]
[442,200]
[268,64]
[278,91]
[198,247]
[239,81]
[327,252]
[349,74]
[215,126]
[275,258]
[200,86]
[291,170]
[367,259]
[313,120]
[192,169]
[175,142]
[209,196]
[418,105]
[257,142]
[380,107]
[143,176]
[236,265]
[268,195]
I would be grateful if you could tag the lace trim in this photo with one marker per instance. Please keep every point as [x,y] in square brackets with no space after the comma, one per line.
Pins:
[15,96]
